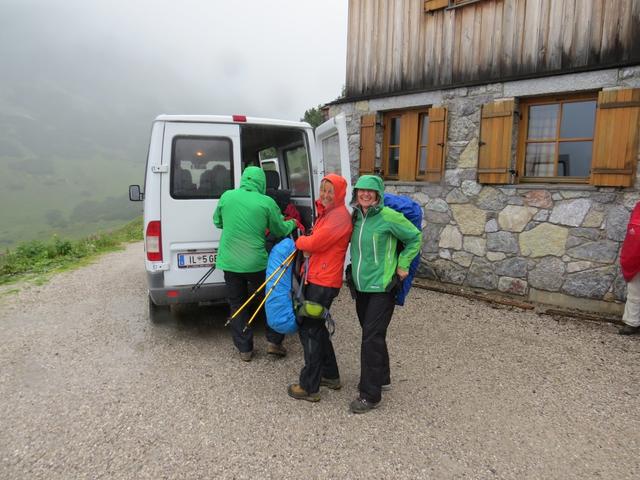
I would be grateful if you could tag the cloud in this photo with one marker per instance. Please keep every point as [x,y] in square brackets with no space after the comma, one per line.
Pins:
[220,55]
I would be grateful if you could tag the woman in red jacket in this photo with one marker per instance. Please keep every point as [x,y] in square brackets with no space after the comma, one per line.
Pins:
[630,263]
[326,248]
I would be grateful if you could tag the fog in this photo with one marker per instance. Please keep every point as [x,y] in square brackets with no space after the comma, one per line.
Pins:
[84,79]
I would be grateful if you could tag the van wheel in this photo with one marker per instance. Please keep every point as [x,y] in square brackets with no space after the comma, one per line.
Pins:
[158,313]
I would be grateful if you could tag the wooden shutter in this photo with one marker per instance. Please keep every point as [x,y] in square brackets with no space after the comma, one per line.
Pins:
[367,143]
[494,148]
[431,5]
[437,143]
[615,144]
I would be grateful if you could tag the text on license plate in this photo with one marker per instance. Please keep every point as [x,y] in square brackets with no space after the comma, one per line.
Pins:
[200,259]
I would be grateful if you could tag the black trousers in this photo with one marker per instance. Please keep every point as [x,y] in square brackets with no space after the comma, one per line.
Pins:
[374,313]
[241,286]
[319,356]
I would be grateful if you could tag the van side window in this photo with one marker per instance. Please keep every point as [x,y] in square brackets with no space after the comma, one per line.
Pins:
[201,167]
[297,167]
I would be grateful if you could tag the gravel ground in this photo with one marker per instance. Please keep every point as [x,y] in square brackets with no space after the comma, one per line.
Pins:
[90,389]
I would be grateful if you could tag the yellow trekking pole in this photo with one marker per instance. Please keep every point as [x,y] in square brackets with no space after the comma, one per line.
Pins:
[288,259]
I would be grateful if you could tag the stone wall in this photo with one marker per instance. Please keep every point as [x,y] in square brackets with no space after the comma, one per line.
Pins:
[552,243]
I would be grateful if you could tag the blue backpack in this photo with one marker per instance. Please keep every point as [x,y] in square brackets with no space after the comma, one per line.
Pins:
[412,212]
[279,306]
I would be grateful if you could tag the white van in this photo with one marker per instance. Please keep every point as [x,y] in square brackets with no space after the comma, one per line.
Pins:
[192,160]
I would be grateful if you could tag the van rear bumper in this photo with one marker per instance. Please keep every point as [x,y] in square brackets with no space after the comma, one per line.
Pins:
[210,293]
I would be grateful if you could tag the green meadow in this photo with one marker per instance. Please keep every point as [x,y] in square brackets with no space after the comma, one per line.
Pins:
[66,197]
[36,260]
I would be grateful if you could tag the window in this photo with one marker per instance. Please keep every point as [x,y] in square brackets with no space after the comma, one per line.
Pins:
[413,144]
[331,152]
[297,167]
[423,143]
[585,138]
[392,150]
[556,139]
[201,167]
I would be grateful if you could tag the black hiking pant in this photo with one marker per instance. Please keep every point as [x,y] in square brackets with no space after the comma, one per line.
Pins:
[319,356]
[374,313]
[240,286]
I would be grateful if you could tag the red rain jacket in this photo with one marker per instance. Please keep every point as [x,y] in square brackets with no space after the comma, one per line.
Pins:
[630,253]
[329,239]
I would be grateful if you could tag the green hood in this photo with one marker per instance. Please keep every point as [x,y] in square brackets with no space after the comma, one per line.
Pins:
[253,180]
[369,182]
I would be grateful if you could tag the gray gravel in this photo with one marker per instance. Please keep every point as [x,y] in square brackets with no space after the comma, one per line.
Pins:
[90,389]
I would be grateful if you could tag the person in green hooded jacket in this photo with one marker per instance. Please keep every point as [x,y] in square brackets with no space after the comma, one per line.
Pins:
[377,269]
[244,214]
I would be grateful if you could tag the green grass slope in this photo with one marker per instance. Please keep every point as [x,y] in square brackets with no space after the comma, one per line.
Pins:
[36,259]
[64,196]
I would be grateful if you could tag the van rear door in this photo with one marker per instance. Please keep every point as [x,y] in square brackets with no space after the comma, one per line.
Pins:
[333,152]
[200,162]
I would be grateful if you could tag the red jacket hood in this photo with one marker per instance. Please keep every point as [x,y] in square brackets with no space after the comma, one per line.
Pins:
[339,189]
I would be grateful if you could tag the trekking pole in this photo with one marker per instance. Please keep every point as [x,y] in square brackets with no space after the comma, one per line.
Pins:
[277,280]
[288,259]
[200,282]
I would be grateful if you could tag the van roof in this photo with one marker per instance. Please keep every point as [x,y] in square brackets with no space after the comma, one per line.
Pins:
[229,119]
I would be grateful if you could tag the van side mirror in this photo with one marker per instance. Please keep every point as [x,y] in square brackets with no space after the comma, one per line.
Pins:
[135,195]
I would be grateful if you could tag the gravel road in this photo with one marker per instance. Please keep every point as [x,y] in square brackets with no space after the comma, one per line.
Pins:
[90,389]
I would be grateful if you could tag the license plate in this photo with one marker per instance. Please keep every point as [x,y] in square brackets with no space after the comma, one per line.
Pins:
[195,260]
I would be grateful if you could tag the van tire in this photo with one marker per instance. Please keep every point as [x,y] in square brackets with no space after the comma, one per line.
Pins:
[158,313]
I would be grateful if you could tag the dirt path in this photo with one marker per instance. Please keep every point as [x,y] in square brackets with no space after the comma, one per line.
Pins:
[90,389]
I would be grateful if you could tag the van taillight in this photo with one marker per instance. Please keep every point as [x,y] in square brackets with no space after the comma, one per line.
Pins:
[153,240]
[239,118]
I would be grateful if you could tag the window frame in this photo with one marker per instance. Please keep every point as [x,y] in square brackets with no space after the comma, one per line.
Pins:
[386,129]
[173,165]
[523,127]
[418,176]
[409,138]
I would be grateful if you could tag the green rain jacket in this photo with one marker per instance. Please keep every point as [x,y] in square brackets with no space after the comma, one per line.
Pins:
[374,241]
[244,214]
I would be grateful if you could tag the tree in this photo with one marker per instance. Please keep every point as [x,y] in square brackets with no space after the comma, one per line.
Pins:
[313,116]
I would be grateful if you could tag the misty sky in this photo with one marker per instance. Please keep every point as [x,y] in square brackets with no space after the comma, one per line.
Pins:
[82,80]
[144,57]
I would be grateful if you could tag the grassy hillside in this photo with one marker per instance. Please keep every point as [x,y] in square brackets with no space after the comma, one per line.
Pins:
[64,196]
[34,259]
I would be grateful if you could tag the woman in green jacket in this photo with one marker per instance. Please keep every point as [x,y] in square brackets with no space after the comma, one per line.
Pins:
[377,268]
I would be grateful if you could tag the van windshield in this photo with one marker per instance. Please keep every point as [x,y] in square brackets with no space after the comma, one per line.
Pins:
[201,167]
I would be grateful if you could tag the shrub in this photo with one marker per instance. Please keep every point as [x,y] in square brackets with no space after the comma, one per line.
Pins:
[37,257]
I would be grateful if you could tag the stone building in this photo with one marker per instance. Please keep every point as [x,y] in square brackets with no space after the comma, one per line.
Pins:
[515,124]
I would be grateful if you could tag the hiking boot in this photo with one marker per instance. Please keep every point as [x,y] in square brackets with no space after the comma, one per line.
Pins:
[385,388]
[246,356]
[629,330]
[299,393]
[362,405]
[276,349]
[332,383]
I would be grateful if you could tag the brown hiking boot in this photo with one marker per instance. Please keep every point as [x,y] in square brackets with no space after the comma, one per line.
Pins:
[362,405]
[299,393]
[276,349]
[332,383]
[629,330]
[246,356]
